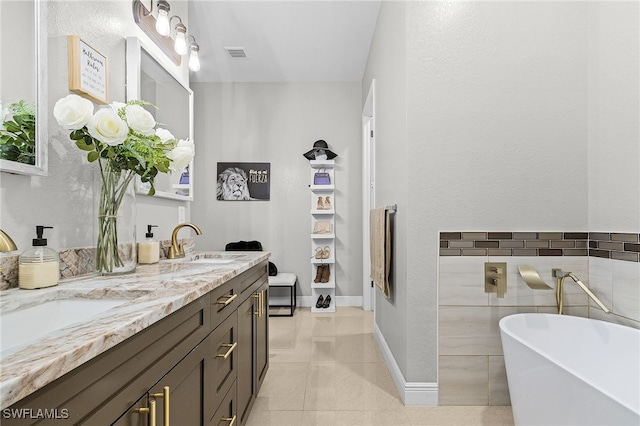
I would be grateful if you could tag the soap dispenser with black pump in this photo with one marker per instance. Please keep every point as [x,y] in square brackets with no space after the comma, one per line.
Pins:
[39,267]
[149,249]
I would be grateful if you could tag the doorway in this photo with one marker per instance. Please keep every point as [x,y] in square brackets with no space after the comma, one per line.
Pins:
[368,194]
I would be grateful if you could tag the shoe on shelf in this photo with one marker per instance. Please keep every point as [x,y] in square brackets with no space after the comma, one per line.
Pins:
[320,205]
[326,302]
[319,253]
[320,302]
[326,273]
[326,252]
[327,203]
[319,274]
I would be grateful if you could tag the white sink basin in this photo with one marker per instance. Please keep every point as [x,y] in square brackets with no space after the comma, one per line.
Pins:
[31,323]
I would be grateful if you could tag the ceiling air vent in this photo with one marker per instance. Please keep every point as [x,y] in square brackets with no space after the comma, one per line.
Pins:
[236,52]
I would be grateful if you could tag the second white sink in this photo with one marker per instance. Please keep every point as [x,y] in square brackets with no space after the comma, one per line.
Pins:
[31,323]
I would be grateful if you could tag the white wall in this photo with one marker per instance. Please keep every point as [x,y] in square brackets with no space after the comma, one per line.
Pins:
[614,150]
[495,109]
[614,116]
[64,199]
[386,63]
[277,123]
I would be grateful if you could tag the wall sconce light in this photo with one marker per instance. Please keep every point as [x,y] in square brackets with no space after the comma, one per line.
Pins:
[162,24]
[180,45]
[194,58]
[159,30]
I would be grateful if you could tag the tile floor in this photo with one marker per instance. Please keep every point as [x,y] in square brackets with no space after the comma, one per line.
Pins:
[327,370]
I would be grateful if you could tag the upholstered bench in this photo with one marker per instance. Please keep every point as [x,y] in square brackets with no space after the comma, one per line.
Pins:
[286,280]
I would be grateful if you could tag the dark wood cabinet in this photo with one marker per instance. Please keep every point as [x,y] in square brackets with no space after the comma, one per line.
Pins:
[253,337]
[210,356]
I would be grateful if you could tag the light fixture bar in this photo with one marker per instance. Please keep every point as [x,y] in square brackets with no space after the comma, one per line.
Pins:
[147,23]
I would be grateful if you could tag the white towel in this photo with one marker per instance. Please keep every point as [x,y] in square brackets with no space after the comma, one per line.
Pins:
[380,248]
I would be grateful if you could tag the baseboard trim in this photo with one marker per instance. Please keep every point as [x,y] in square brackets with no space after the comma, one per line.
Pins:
[424,394]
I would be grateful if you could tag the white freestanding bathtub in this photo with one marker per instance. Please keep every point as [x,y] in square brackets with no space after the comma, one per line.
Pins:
[565,370]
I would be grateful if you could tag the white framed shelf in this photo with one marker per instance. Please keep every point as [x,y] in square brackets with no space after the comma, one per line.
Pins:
[322,188]
[323,196]
[315,261]
[322,164]
[325,212]
[323,286]
[323,236]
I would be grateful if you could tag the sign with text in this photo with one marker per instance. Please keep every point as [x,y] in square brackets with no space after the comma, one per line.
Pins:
[87,71]
[243,181]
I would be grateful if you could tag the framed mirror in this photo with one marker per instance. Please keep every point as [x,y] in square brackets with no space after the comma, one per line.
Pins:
[152,78]
[23,87]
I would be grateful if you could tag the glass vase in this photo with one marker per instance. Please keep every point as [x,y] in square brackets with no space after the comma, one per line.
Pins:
[116,244]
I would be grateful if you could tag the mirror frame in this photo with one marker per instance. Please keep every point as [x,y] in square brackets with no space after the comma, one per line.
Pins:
[134,49]
[41,168]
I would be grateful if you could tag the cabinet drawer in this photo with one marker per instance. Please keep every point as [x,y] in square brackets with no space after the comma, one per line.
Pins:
[226,298]
[227,411]
[222,360]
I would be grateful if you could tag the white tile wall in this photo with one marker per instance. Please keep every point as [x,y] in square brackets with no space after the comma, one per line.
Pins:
[471,369]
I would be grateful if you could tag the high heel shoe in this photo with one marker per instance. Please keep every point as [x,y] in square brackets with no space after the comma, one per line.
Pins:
[320,205]
[326,302]
[319,274]
[320,302]
[326,273]
[327,203]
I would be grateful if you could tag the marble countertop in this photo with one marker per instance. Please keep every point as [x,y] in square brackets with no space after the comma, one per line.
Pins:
[148,295]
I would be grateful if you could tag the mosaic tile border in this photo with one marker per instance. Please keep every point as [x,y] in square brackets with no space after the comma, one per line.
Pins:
[608,245]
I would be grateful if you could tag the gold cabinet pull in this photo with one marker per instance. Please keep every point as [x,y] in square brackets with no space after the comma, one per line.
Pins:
[165,403]
[228,300]
[151,411]
[226,354]
[231,420]
[259,297]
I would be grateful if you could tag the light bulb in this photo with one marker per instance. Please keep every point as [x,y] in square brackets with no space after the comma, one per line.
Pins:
[162,24]
[194,60]
[180,45]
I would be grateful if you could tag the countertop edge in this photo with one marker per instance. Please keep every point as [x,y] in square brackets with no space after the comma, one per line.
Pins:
[34,366]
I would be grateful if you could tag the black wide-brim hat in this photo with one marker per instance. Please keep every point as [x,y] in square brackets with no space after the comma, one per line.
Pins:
[320,147]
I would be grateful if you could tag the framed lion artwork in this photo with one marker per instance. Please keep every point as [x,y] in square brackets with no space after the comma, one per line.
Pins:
[243,181]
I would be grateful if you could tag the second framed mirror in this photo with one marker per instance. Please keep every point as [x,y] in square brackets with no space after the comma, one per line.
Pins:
[150,77]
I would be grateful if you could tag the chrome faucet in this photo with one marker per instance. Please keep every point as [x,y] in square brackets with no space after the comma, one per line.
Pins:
[177,250]
[560,276]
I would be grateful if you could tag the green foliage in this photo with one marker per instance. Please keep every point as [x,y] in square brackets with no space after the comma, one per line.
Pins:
[18,133]
[143,155]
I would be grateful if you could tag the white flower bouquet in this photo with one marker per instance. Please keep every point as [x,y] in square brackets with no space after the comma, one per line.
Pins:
[125,141]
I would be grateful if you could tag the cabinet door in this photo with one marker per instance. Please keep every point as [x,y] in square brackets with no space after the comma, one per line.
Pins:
[222,362]
[246,356]
[184,385]
[262,336]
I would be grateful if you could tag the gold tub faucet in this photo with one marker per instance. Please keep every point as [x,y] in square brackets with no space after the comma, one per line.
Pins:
[560,276]
[177,250]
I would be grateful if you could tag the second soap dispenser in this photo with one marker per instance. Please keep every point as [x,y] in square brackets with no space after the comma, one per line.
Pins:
[39,267]
[149,249]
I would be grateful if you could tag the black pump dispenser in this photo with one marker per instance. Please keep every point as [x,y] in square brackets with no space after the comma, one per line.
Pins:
[39,232]
[149,234]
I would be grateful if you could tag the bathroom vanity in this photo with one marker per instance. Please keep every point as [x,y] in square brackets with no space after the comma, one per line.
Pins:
[189,341]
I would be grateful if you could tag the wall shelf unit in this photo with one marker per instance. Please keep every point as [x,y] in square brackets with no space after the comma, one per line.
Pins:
[323,245]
